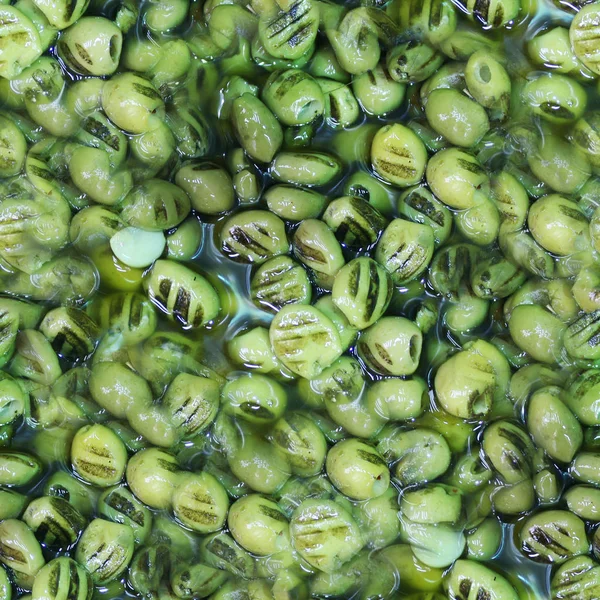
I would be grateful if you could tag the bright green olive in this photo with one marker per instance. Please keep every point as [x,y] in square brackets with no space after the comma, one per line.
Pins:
[556,98]
[489,83]
[258,524]
[378,519]
[514,499]
[117,388]
[253,236]
[252,349]
[91,46]
[582,500]
[556,224]
[324,534]
[293,203]
[415,574]
[20,551]
[583,35]
[152,475]
[398,156]
[586,467]
[256,128]
[553,48]
[496,277]
[98,455]
[413,62]
[580,575]
[392,346]
[18,468]
[256,462]
[132,102]
[553,536]
[552,425]
[191,403]
[255,398]
[580,337]
[200,502]
[294,97]
[434,19]
[13,400]
[357,469]
[582,397]
[278,282]
[155,205]
[558,164]
[93,227]
[21,42]
[14,147]
[362,185]
[65,486]
[185,242]
[362,290]
[456,178]
[342,382]
[449,76]
[485,540]
[71,332]
[209,187]
[434,545]
[61,578]
[459,119]
[397,399]
[12,504]
[468,383]
[341,107]
[346,332]
[183,294]
[355,41]
[377,93]
[325,64]
[308,169]
[290,30]
[480,580]
[537,331]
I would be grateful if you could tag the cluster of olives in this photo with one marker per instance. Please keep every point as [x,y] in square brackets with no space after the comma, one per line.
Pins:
[300,299]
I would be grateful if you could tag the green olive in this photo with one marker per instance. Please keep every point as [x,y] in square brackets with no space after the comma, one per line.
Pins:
[398,156]
[392,346]
[20,551]
[152,475]
[258,524]
[553,536]
[357,469]
[105,549]
[200,502]
[324,534]
[55,521]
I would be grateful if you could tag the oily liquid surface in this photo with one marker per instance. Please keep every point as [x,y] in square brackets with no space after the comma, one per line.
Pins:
[233,279]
